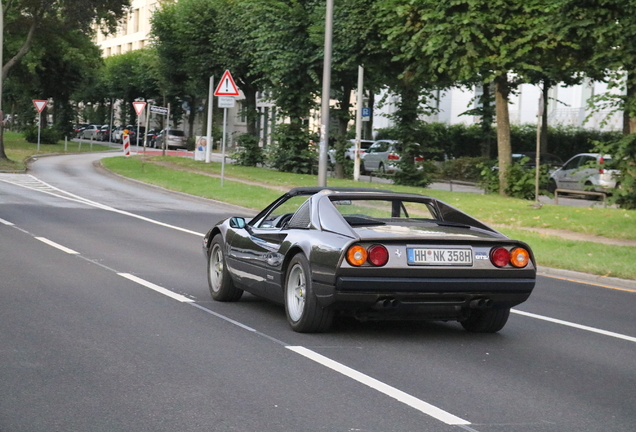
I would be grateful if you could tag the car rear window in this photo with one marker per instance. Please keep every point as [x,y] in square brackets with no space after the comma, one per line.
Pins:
[355,211]
[176,133]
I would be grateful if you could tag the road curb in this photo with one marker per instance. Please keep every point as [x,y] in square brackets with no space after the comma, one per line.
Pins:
[587,278]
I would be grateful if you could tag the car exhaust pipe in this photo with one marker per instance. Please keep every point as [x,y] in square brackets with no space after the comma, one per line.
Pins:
[482,303]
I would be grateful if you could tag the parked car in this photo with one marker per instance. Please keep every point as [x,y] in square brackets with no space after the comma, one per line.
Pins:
[382,157]
[553,161]
[350,151]
[582,172]
[151,137]
[370,254]
[103,134]
[173,138]
[119,131]
[90,132]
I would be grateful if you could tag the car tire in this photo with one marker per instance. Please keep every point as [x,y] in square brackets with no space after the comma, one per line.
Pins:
[304,314]
[486,320]
[221,286]
[552,186]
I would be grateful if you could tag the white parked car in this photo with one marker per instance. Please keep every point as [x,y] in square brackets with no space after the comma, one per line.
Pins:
[383,157]
[584,172]
[350,151]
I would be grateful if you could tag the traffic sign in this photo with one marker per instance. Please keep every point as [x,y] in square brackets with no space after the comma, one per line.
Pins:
[139,107]
[158,109]
[226,86]
[366,114]
[39,104]
[226,102]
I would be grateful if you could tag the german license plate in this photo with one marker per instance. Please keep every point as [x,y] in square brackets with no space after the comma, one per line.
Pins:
[440,256]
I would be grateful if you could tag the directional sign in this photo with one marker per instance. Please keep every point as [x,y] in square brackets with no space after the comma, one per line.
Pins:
[139,107]
[158,110]
[39,105]
[226,86]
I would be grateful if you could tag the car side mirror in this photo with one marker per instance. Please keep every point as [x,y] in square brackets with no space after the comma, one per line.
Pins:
[237,222]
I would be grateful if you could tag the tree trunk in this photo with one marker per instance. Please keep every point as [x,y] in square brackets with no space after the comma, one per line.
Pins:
[503,130]
[629,117]
[343,122]
[251,110]
[367,131]
[486,121]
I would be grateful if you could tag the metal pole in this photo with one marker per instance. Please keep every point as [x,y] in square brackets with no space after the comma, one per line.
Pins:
[208,146]
[1,71]
[163,142]
[356,160]
[138,124]
[146,134]
[39,127]
[538,150]
[326,89]
[223,148]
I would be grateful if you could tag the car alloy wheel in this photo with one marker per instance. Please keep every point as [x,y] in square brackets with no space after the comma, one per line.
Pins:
[296,293]
[221,285]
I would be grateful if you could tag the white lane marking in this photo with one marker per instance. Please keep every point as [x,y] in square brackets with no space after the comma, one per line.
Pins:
[157,288]
[38,185]
[57,246]
[401,396]
[2,221]
[574,325]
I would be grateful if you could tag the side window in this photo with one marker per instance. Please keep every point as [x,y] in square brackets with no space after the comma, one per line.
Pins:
[384,146]
[373,148]
[572,164]
[281,214]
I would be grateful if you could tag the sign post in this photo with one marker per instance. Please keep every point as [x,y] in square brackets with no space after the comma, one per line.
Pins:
[139,108]
[162,111]
[208,148]
[226,90]
[39,105]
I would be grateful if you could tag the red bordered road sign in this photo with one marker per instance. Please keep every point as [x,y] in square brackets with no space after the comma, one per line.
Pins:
[139,107]
[39,104]
[226,86]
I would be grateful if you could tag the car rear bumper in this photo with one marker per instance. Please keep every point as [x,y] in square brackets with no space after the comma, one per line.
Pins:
[425,298]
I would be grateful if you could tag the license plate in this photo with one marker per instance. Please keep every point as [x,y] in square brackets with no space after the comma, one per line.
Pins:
[440,256]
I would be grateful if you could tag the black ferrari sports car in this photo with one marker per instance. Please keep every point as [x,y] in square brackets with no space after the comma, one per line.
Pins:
[372,254]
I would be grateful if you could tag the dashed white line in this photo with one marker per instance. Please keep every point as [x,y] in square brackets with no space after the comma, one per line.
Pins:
[388,390]
[157,288]
[57,246]
[4,222]
[574,325]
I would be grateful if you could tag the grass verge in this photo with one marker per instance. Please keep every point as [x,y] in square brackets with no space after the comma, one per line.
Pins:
[550,251]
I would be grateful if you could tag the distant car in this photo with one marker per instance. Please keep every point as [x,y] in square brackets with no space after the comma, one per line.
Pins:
[382,157]
[119,131]
[350,151]
[90,132]
[172,138]
[553,161]
[103,134]
[151,137]
[370,254]
[582,172]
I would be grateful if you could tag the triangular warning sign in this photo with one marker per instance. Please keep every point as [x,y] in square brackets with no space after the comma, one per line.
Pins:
[226,86]
[39,105]
[139,107]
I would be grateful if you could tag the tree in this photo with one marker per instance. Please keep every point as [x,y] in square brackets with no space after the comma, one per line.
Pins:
[25,19]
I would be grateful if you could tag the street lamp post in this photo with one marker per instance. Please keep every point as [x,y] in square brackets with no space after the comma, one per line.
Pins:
[326,90]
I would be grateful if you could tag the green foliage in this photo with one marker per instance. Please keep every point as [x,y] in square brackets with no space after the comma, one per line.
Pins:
[291,151]
[420,174]
[250,153]
[464,168]
[520,180]
[623,152]
[47,135]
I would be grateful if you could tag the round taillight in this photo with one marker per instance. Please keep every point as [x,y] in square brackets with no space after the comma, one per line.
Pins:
[357,255]
[378,255]
[519,257]
[500,257]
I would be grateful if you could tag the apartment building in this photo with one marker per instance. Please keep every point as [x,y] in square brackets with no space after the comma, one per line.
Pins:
[133,33]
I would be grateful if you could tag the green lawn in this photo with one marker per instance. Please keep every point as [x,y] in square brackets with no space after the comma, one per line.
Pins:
[550,251]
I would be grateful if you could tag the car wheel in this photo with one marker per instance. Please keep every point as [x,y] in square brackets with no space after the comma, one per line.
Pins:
[221,286]
[304,313]
[552,186]
[486,320]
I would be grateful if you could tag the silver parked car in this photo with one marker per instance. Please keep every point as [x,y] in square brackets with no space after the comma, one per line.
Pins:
[350,151]
[90,132]
[582,172]
[383,157]
[172,138]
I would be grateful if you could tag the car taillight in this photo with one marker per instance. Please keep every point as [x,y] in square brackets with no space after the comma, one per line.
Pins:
[519,257]
[601,161]
[357,255]
[378,255]
[393,156]
[419,158]
[500,257]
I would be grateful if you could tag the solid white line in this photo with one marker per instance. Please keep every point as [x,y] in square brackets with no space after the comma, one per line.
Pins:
[2,221]
[157,288]
[57,246]
[401,396]
[574,325]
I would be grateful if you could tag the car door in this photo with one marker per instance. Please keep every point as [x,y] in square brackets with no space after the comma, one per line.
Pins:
[376,154]
[585,170]
[566,177]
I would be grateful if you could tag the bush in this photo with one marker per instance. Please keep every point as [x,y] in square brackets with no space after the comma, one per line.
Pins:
[47,135]
[250,153]
[623,152]
[464,169]
[292,151]
[520,179]
[420,174]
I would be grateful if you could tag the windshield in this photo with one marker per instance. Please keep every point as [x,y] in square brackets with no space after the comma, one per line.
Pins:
[380,211]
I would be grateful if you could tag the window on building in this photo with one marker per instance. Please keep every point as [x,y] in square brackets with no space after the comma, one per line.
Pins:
[130,48]
[135,20]
[108,52]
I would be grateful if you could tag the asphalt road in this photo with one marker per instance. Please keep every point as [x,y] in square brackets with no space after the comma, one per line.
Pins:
[107,325]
